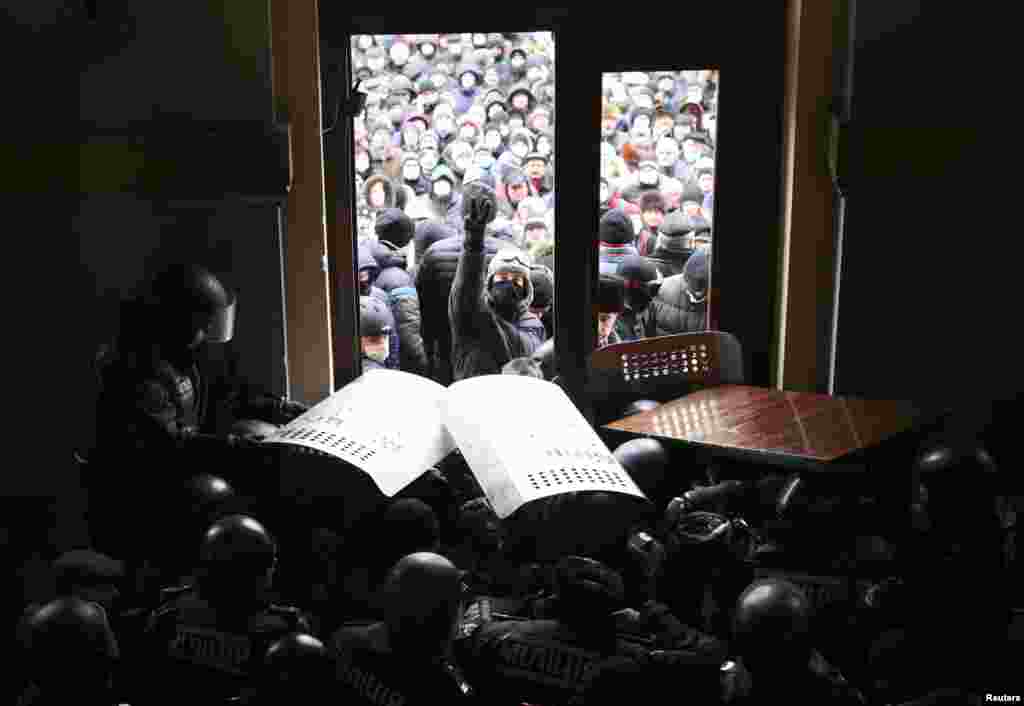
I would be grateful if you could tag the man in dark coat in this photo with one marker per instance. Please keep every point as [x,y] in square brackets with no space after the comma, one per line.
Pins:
[616,241]
[489,309]
[394,233]
[674,244]
[681,304]
[434,277]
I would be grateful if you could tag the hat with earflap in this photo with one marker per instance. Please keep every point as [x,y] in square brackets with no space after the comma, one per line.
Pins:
[512,260]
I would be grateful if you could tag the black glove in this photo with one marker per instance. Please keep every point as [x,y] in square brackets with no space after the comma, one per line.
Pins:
[479,207]
[291,409]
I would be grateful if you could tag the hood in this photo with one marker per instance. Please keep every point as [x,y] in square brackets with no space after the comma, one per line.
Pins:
[390,198]
[387,255]
[428,233]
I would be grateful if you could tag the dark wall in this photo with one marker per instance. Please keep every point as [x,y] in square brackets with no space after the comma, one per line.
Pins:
[929,289]
[132,68]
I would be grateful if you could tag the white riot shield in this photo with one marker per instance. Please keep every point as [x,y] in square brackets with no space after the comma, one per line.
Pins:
[386,423]
[524,439]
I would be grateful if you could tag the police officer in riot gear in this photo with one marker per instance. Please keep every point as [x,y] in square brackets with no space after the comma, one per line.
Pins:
[210,638]
[70,655]
[156,403]
[407,658]
[296,669]
[776,660]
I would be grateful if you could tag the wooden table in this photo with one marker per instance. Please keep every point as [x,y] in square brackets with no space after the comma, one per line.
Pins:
[808,431]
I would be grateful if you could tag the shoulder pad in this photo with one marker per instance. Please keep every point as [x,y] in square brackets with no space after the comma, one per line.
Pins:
[292,615]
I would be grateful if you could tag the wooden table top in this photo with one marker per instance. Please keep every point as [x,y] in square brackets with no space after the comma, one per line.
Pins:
[783,425]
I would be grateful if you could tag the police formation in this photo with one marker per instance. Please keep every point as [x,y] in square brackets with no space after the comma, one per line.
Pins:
[208,589]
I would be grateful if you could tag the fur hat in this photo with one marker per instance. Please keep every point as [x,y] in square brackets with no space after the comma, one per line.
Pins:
[389,189]
[511,260]
[616,228]
[652,201]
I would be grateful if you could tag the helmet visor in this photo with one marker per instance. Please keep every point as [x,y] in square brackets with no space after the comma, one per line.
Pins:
[221,325]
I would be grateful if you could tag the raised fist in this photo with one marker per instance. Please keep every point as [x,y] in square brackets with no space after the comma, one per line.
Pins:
[479,206]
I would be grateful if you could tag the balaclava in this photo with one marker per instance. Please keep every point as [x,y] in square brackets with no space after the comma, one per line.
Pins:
[509,300]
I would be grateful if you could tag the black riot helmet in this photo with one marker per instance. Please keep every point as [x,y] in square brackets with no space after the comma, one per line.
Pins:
[191,301]
[71,650]
[237,555]
[424,595]
[772,628]
[296,668]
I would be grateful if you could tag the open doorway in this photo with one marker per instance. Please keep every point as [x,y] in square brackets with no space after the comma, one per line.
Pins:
[443,111]
[658,158]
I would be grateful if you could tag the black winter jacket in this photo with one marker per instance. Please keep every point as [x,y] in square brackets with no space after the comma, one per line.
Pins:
[673,310]
[482,341]
[434,278]
[405,305]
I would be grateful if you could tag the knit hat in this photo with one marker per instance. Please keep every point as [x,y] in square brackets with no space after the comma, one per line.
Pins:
[395,227]
[536,210]
[616,228]
[531,99]
[534,156]
[512,260]
[375,317]
[637,268]
[652,201]
[611,294]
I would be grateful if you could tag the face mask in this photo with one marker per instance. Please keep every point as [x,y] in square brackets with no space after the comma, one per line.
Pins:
[533,75]
[485,159]
[396,115]
[379,355]
[479,40]
[467,134]
[428,162]
[667,85]
[399,54]
[544,148]
[603,195]
[505,130]
[461,163]
[507,297]
[517,62]
[515,124]
[667,159]
[491,78]
[619,96]
[411,173]
[412,138]
[427,50]
[644,101]
[376,65]
[520,150]
[691,154]
[445,128]
[493,140]
[365,42]
[442,189]
[362,164]
[468,81]
[648,178]
[681,131]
